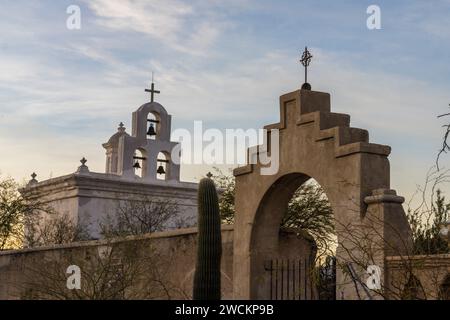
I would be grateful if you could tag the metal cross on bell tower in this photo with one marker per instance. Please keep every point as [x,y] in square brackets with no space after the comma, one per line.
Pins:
[152,90]
[306,60]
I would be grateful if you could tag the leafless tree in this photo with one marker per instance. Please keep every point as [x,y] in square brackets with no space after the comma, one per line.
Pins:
[51,229]
[445,146]
[410,256]
[16,212]
[114,270]
[143,216]
[125,265]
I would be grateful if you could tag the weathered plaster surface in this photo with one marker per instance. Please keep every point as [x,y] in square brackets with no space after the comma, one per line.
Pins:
[180,244]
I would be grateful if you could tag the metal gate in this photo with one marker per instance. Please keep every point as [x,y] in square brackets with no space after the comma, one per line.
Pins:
[290,279]
[300,279]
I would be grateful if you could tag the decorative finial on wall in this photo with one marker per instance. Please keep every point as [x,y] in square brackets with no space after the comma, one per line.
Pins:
[306,60]
[33,179]
[121,127]
[83,169]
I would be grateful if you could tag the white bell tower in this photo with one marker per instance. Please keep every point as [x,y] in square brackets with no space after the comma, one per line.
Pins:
[146,154]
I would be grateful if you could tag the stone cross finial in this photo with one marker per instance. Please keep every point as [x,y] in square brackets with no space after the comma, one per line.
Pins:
[152,90]
[306,60]
[209,175]
[83,161]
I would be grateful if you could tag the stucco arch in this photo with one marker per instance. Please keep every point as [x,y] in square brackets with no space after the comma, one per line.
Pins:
[313,142]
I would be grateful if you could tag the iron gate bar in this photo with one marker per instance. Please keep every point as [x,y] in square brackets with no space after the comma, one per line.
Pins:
[276,281]
[288,276]
[282,279]
[293,280]
[271,279]
[311,291]
[305,283]
[299,279]
[287,280]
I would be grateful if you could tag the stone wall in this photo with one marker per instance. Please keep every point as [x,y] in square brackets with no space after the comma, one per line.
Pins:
[176,262]
[418,277]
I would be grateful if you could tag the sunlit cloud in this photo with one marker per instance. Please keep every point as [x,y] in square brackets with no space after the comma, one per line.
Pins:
[63,93]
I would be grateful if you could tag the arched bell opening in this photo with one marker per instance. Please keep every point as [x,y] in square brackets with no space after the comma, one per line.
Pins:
[296,208]
[140,163]
[153,125]
[162,165]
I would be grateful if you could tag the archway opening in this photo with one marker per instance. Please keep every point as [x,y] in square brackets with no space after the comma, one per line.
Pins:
[309,211]
[153,126]
[140,163]
[292,237]
[162,165]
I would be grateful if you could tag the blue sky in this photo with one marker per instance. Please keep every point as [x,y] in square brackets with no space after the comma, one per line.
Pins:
[63,92]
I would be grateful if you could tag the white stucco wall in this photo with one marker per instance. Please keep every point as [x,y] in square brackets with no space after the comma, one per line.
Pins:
[89,197]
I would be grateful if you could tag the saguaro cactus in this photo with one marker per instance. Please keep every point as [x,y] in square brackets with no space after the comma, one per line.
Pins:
[209,248]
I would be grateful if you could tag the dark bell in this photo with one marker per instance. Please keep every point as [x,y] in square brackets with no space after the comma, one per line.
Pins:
[151,130]
[306,86]
[161,170]
[137,165]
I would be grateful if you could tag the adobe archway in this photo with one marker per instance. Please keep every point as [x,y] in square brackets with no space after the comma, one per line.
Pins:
[313,142]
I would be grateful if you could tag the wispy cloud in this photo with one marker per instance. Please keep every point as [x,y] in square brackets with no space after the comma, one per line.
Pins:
[63,92]
[174,23]
[160,19]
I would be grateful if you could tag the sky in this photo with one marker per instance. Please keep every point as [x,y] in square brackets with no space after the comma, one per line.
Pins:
[63,92]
